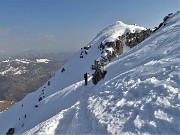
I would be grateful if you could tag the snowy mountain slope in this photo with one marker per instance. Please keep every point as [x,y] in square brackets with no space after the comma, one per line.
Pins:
[138,95]
[141,89]
[75,69]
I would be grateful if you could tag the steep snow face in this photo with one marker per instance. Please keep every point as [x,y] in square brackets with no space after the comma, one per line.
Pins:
[139,94]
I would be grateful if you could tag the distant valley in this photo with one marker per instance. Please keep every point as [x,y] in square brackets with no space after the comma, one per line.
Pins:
[24,73]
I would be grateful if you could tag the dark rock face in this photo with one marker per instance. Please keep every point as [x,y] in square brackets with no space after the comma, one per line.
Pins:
[10,131]
[130,39]
[99,72]
[164,22]
[98,75]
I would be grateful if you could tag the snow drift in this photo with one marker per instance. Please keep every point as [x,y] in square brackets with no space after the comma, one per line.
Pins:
[139,94]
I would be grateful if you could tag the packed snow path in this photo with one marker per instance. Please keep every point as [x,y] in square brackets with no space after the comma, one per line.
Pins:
[139,94]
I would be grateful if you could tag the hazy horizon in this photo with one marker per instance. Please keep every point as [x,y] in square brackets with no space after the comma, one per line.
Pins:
[67,25]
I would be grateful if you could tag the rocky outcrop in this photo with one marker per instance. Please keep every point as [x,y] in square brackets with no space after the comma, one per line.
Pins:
[10,131]
[164,22]
[99,72]
[84,51]
[132,39]
[111,47]
[115,48]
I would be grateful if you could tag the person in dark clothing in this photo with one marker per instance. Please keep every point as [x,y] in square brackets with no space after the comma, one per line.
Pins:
[40,98]
[85,78]
[86,52]
[62,70]
[49,83]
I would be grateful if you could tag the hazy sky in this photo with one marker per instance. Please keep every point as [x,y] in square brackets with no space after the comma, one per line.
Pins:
[67,25]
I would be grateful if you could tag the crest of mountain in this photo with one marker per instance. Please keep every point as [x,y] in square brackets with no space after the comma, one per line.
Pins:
[139,93]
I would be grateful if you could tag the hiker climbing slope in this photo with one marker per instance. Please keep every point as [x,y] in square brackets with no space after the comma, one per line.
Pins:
[85,78]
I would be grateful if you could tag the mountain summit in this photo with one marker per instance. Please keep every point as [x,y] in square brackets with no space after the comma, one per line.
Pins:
[138,94]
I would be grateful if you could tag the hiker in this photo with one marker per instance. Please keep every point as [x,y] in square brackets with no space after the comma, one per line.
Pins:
[62,70]
[40,98]
[85,78]
[86,52]
[48,83]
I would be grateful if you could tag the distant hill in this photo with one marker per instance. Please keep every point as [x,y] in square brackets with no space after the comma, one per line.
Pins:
[30,54]
[19,77]
[24,72]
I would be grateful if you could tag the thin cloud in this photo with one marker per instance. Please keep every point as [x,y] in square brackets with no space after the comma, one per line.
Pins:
[4,31]
[48,37]
[3,51]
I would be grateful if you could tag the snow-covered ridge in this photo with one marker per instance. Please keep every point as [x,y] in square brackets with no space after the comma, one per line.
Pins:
[139,94]
[113,31]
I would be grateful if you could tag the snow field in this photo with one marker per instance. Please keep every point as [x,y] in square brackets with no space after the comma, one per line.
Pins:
[142,95]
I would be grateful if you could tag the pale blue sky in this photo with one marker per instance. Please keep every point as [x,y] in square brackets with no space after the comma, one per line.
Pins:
[67,25]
